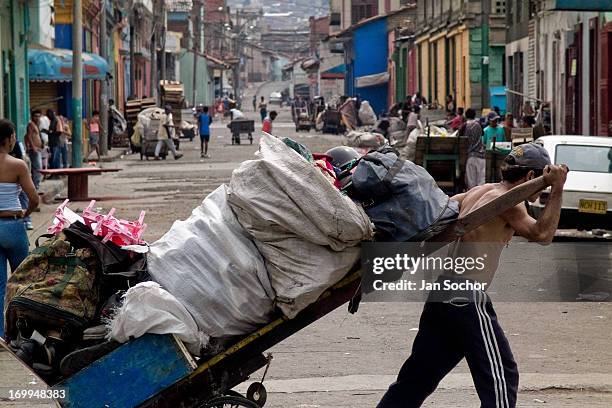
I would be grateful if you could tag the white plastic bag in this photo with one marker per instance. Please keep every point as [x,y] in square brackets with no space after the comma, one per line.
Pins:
[367,116]
[209,263]
[306,230]
[147,308]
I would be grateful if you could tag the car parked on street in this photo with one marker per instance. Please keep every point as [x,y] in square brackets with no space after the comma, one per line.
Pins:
[276,98]
[587,195]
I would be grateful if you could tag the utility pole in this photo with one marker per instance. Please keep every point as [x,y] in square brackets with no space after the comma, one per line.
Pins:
[153,50]
[484,26]
[77,83]
[132,52]
[163,41]
[196,47]
[104,85]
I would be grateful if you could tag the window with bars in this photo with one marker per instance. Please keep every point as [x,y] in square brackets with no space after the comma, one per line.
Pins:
[498,7]
[362,9]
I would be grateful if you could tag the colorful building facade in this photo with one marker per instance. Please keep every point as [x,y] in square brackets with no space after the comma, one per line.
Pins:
[14,87]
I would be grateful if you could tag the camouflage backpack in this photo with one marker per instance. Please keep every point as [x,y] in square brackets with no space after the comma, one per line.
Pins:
[55,288]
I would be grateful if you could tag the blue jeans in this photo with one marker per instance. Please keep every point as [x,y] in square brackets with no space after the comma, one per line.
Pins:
[59,157]
[54,159]
[23,199]
[36,160]
[64,155]
[14,248]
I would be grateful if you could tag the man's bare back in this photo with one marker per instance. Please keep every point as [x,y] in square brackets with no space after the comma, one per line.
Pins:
[491,237]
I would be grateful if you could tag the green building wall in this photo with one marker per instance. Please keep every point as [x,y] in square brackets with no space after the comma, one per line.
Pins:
[495,68]
[203,80]
[14,64]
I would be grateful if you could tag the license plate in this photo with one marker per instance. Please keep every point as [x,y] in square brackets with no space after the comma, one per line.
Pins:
[593,206]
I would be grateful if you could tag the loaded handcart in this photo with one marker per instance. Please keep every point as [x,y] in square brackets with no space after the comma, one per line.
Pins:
[157,370]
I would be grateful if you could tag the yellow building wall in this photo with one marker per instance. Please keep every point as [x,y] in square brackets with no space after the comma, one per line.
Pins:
[441,71]
[461,70]
[465,37]
[424,68]
[63,10]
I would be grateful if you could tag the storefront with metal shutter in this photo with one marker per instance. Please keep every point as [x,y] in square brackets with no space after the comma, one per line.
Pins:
[43,95]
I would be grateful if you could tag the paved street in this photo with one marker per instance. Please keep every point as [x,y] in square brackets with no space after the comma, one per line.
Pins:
[562,349]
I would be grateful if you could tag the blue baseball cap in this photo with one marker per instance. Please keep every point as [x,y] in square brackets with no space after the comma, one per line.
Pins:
[532,155]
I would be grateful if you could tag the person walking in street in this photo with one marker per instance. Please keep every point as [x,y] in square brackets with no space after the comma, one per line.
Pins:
[94,135]
[263,109]
[494,131]
[14,178]
[165,134]
[34,147]
[475,167]
[255,103]
[55,132]
[65,136]
[204,122]
[462,323]
[110,127]
[267,122]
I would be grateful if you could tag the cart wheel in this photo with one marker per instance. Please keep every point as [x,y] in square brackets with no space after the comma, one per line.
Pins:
[257,393]
[230,402]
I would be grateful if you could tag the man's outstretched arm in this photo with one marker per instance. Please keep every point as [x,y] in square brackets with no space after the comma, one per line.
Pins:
[541,230]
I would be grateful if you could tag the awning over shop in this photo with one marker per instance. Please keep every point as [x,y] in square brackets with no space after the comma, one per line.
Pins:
[581,5]
[56,65]
[337,72]
[372,80]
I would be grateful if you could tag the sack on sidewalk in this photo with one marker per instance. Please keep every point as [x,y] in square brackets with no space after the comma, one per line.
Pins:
[306,230]
[209,263]
[401,198]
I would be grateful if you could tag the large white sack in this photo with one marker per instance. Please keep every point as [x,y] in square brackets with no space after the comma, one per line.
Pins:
[209,263]
[306,230]
[366,114]
[357,138]
[147,308]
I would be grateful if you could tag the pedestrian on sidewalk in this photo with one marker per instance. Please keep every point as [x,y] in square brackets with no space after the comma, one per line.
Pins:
[43,126]
[94,135]
[14,178]
[461,323]
[267,122]
[475,167]
[263,109]
[110,128]
[165,134]
[494,131]
[458,120]
[204,122]
[55,132]
[34,146]
[65,137]
[255,103]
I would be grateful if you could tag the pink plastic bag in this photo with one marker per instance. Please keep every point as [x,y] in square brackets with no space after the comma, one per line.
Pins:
[120,232]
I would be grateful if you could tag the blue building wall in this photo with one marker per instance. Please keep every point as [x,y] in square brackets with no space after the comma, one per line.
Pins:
[63,39]
[370,57]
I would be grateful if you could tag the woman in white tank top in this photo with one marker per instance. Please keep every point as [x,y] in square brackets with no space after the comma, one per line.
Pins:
[14,177]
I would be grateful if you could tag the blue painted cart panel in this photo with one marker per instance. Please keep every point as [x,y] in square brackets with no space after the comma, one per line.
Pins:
[129,375]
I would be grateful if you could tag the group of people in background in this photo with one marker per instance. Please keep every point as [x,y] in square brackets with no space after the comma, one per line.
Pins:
[481,131]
